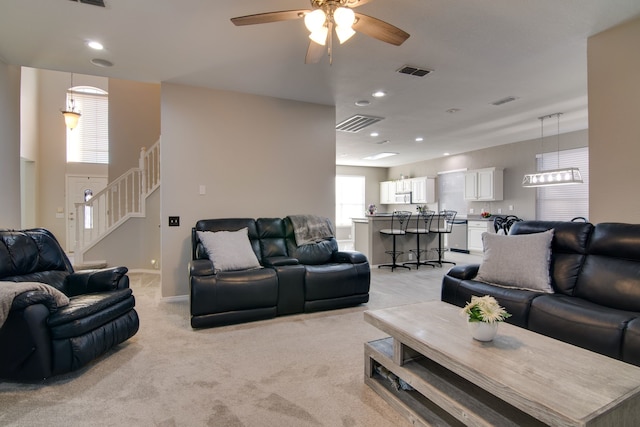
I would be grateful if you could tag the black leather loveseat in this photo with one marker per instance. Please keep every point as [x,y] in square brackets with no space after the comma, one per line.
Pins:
[289,278]
[595,275]
[62,325]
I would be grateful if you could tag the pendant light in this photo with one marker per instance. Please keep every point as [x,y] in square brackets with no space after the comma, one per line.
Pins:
[560,176]
[71,116]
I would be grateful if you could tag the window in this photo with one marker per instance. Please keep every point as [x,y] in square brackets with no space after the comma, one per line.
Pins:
[564,202]
[88,210]
[89,141]
[349,199]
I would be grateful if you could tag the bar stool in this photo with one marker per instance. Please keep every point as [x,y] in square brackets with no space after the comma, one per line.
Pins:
[443,225]
[401,219]
[423,224]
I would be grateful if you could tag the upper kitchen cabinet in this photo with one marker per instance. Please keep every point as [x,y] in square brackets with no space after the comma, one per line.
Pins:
[403,185]
[423,190]
[387,192]
[483,184]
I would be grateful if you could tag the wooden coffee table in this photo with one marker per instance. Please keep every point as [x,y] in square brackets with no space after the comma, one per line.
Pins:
[521,378]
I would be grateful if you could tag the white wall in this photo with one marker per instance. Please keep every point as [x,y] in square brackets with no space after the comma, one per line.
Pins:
[256,156]
[9,146]
[614,123]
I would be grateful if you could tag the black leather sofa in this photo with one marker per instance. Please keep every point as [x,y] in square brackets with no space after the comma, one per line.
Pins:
[293,279]
[595,273]
[39,338]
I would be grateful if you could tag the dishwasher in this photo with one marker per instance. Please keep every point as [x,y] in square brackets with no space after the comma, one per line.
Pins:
[456,241]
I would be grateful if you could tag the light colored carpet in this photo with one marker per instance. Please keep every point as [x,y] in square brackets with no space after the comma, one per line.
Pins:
[300,370]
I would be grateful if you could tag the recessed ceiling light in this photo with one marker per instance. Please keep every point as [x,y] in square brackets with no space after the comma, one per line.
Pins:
[380,156]
[446,154]
[453,110]
[419,139]
[386,141]
[95,45]
[374,134]
[362,103]
[101,62]
[379,94]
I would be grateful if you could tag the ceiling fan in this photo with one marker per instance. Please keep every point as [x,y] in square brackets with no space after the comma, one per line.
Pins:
[323,17]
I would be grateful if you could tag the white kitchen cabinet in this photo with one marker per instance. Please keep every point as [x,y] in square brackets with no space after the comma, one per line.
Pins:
[387,192]
[483,184]
[474,234]
[403,185]
[423,190]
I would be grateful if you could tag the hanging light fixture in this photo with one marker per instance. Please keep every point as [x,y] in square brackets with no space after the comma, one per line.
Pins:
[560,176]
[71,116]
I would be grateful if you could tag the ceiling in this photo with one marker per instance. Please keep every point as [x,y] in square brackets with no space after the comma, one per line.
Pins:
[480,52]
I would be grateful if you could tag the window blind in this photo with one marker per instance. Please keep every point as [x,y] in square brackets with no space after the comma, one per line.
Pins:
[89,141]
[563,202]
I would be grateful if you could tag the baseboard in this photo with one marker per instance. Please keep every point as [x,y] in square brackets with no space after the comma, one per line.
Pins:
[144,270]
[177,298]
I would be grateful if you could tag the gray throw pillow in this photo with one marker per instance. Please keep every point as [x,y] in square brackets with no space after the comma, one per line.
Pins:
[519,261]
[229,250]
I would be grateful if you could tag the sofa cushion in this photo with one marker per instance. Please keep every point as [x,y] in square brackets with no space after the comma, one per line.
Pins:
[314,253]
[631,342]
[579,322]
[610,275]
[229,250]
[519,261]
[568,249]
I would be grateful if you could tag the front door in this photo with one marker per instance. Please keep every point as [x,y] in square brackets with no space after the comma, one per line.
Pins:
[79,189]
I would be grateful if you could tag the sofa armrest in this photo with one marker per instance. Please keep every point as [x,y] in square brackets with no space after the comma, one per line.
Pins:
[278,261]
[353,257]
[201,267]
[25,299]
[464,272]
[101,280]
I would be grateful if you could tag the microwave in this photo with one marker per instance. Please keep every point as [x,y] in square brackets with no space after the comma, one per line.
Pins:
[404,198]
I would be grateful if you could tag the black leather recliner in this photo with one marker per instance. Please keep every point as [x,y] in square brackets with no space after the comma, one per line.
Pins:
[40,339]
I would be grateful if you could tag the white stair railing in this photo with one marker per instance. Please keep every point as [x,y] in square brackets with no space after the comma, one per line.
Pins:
[122,199]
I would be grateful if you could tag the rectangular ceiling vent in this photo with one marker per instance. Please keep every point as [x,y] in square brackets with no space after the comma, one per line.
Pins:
[504,100]
[91,2]
[414,71]
[356,123]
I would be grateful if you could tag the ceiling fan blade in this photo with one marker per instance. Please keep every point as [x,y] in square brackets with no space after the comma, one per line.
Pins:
[314,53]
[263,18]
[356,3]
[374,27]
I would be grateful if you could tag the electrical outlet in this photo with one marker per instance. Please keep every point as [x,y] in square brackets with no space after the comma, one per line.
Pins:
[410,256]
[174,221]
[471,210]
[499,210]
[510,207]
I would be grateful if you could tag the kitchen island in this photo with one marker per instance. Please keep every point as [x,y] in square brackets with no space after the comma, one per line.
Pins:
[368,240]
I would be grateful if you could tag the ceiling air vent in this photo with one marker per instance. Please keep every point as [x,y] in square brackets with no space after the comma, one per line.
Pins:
[504,100]
[91,2]
[356,123]
[414,71]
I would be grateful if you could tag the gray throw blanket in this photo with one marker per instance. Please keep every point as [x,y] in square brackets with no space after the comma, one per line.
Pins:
[311,228]
[10,290]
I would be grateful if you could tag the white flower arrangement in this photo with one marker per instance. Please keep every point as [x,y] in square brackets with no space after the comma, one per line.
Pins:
[484,309]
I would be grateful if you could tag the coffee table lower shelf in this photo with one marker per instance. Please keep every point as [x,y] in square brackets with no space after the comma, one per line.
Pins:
[440,397]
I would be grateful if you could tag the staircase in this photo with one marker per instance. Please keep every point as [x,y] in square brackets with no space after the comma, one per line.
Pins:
[122,199]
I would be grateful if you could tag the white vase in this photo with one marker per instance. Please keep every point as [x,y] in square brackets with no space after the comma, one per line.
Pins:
[483,331]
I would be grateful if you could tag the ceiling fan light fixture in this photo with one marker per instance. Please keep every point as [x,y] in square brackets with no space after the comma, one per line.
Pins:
[344,33]
[320,35]
[344,17]
[315,20]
